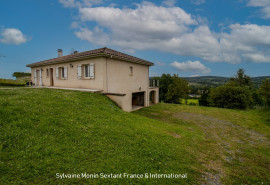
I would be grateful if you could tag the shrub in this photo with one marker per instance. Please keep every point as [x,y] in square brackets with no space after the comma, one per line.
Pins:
[203,100]
[233,97]
[9,82]
[192,103]
[265,92]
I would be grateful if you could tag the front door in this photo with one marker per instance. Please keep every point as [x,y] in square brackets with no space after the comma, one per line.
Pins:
[51,77]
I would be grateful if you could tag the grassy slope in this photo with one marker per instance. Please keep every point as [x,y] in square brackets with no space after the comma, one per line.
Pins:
[44,132]
[235,148]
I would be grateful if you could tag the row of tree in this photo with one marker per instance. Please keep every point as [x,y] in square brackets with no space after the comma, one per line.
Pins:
[20,74]
[237,93]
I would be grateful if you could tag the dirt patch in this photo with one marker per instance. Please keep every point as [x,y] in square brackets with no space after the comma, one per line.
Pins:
[175,135]
[223,129]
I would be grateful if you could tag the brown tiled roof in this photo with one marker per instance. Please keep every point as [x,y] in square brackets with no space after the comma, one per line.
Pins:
[102,52]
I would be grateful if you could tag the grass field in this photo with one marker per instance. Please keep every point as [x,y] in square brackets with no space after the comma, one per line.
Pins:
[45,131]
[10,82]
[190,101]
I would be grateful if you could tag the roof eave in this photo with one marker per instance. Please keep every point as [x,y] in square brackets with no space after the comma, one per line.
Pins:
[91,56]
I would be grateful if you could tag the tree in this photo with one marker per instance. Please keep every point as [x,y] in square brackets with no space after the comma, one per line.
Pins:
[241,79]
[177,89]
[164,83]
[203,101]
[233,97]
[20,74]
[265,92]
[238,93]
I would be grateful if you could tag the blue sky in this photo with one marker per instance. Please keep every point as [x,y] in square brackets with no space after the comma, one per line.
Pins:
[186,37]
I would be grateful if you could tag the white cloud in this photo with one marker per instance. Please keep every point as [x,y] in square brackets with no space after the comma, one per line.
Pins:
[169,3]
[189,66]
[75,25]
[197,2]
[96,36]
[171,29]
[264,5]
[160,63]
[67,3]
[79,3]
[194,76]
[139,28]
[12,36]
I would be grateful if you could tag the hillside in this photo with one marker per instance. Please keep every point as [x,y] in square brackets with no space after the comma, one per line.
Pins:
[45,132]
[218,80]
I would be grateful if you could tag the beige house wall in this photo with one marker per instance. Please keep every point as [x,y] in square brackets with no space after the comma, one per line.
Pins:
[111,76]
[156,95]
[72,80]
[121,80]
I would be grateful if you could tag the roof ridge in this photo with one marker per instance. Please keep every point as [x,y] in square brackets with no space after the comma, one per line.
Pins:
[93,53]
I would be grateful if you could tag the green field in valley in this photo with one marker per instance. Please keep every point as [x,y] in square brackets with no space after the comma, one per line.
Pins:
[44,132]
[190,101]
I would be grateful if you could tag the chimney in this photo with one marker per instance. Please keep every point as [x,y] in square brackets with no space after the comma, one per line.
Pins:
[60,52]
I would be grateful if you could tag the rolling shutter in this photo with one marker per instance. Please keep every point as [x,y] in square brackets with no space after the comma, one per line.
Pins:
[35,77]
[92,70]
[40,77]
[56,72]
[65,72]
[79,71]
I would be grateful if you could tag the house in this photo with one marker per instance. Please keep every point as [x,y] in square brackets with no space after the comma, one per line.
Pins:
[123,78]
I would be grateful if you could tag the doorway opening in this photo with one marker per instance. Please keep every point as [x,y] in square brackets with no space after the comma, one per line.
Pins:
[137,100]
[51,77]
[152,97]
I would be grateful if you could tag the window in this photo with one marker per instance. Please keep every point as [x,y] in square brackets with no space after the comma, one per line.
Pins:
[61,72]
[47,72]
[87,71]
[131,71]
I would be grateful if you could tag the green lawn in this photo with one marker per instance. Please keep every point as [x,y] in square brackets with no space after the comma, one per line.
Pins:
[190,101]
[45,131]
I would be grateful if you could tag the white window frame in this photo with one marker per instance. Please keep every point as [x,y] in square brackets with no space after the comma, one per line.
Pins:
[57,73]
[61,72]
[79,71]
[90,68]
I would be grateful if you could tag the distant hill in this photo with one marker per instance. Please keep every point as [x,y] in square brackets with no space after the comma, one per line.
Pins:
[214,81]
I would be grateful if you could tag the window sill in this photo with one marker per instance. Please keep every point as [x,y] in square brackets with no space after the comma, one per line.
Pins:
[87,78]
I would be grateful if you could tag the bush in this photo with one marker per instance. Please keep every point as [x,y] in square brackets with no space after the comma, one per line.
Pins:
[192,103]
[203,100]
[265,92]
[233,97]
[9,82]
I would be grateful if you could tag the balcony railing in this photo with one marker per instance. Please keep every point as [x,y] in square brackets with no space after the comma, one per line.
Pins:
[153,83]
